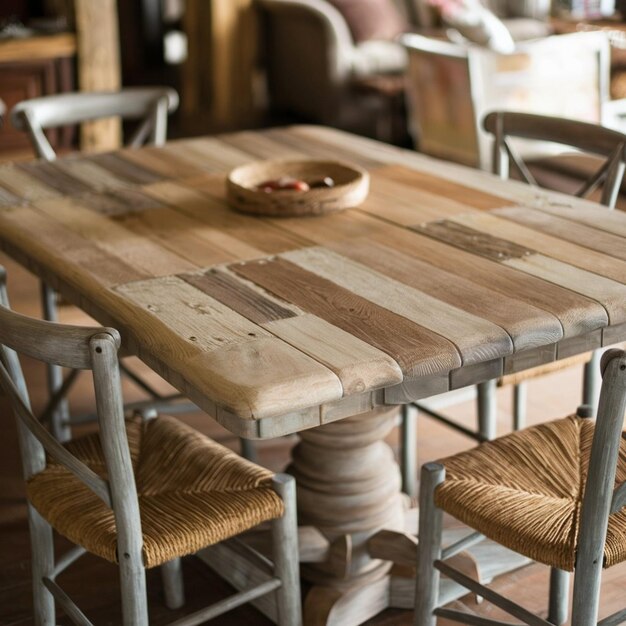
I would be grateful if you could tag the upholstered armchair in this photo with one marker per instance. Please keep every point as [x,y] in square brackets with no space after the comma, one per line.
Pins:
[313,63]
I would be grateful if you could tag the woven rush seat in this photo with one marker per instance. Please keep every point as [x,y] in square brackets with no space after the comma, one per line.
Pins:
[525,491]
[192,493]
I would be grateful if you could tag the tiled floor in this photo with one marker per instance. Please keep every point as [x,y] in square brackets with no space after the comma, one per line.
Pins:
[94,584]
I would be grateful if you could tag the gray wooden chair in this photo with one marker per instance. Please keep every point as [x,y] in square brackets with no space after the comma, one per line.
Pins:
[554,493]
[607,150]
[149,106]
[140,493]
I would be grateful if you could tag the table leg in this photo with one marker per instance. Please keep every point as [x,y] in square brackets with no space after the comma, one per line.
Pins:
[349,489]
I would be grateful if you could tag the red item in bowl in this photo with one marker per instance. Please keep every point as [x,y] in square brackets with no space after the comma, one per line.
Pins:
[282,184]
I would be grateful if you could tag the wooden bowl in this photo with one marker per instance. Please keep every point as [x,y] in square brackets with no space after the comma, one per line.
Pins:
[351,188]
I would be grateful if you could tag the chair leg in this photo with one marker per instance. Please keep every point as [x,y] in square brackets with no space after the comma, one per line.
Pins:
[559,596]
[520,395]
[487,409]
[286,565]
[592,380]
[429,548]
[586,597]
[173,585]
[134,596]
[408,451]
[60,418]
[248,449]
[42,548]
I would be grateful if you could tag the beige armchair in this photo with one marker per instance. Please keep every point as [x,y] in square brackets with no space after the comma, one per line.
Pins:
[313,64]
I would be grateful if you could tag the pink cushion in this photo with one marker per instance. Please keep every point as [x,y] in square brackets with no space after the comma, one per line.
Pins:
[371,19]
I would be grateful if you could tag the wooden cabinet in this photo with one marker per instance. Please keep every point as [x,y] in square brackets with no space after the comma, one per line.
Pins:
[30,68]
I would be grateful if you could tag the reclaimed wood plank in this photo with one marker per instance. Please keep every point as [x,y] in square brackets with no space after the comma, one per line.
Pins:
[237,363]
[417,350]
[587,236]
[238,296]
[120,202]
[609,293]
[405,204]
[60,250]
[90,173]
[476,339]
[472,240]
[445,188]
[577,314]
[528,326]
[55,177]
[193,198]
[125,169]
[263,146]
[358,365]
[215,155]
[550,246]
[166,164]
[135,250]
[613,222]
[23,185]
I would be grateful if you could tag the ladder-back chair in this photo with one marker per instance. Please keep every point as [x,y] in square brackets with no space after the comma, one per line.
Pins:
[149,107]
[140,493]
[554,493]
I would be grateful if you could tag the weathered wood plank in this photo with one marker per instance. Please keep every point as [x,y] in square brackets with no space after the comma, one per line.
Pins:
[529,326]
[237,363]
[244,236]
[124,168]
[613,222]
[577,314]
[476,339]
[609,293]
[551,246]
[60,250]
[55,177]
[23,185]
[136,251]
[439,186]
[168,165]
[417,350]
[581,234]
[236,295]
[472,240]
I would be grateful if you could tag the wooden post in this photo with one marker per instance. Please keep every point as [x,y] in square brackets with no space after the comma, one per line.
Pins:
[98,67]
[218,77]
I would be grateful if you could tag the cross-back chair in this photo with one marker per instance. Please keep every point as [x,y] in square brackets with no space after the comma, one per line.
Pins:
[140,493]
[554,493]
[150,107]
[608,147]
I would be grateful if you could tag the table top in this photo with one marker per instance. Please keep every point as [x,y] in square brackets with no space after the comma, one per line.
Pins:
[444,277]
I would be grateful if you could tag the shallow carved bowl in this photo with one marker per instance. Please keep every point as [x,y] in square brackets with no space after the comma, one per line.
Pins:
[350,189]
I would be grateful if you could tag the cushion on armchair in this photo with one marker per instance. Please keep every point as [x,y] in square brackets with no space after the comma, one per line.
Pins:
[371,19]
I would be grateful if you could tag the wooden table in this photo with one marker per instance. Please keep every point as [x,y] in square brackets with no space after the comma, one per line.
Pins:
[445,277]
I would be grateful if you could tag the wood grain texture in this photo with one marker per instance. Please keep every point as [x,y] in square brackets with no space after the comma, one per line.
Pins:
[248,370]
[576,255]
[527,325]
[417,350]
[610,221]
[582,234]
[577,314]
[460,327]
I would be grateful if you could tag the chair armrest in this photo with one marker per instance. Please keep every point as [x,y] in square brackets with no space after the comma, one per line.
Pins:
[338,45]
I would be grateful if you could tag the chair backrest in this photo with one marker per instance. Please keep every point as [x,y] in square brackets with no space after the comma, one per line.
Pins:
[451,87]
[591,138]
[150,105]
[73,347]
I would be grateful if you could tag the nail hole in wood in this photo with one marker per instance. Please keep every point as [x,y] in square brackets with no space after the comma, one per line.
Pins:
[99,350]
